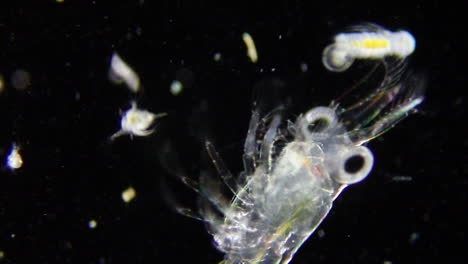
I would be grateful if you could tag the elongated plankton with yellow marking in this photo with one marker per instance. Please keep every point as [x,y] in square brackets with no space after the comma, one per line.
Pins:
[251,50]
[137,122]
[371,42]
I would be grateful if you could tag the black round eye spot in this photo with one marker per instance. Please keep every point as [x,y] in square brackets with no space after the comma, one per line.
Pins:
[354,164]
[319,125]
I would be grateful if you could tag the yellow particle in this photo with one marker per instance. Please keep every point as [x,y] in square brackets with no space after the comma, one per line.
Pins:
[251,50]
[2,254]
[59,1]
[2,84]
[128,194]
[92,224]
[372,43]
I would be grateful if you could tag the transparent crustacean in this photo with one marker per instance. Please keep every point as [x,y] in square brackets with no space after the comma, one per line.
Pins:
[294,170]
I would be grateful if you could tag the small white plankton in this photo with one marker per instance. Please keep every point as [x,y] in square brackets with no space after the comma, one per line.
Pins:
[120,71]
[14,160]
[137,122]
[369,42]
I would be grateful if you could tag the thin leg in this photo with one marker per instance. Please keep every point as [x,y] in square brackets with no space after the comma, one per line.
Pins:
[211,190]
[268,141]
[251,146]
[224,172]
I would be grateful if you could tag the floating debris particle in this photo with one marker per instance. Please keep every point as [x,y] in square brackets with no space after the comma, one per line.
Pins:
[14,160]
[2,83]
[402,178]
[413,237]
[92,224]
[321,233]
[128,194]
[20,79]
[121,72]
[176,87]
[217,56]
[251,50]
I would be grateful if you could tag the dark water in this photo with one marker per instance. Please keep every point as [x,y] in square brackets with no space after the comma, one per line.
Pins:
[60,108]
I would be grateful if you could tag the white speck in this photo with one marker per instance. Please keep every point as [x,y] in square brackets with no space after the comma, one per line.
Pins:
[176,87]
[128,194]
[402,178]
[251,50]
[304,67]
[217,56]
[120,71]
[92,224]
[20,79]
[413,237]
[14,160]
[321,233]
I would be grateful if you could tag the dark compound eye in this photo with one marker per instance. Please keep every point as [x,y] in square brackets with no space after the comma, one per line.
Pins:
[354,164]
[318,120]
[335,59]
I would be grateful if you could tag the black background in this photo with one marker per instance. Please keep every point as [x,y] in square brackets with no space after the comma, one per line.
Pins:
[72,174]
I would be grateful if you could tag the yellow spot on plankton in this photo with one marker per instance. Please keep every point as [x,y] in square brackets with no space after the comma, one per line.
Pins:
[373,43]
[128,194]
[251,50]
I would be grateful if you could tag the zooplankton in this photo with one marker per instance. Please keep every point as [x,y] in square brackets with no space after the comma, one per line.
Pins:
[368,42]
[136,122]
[293,171]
